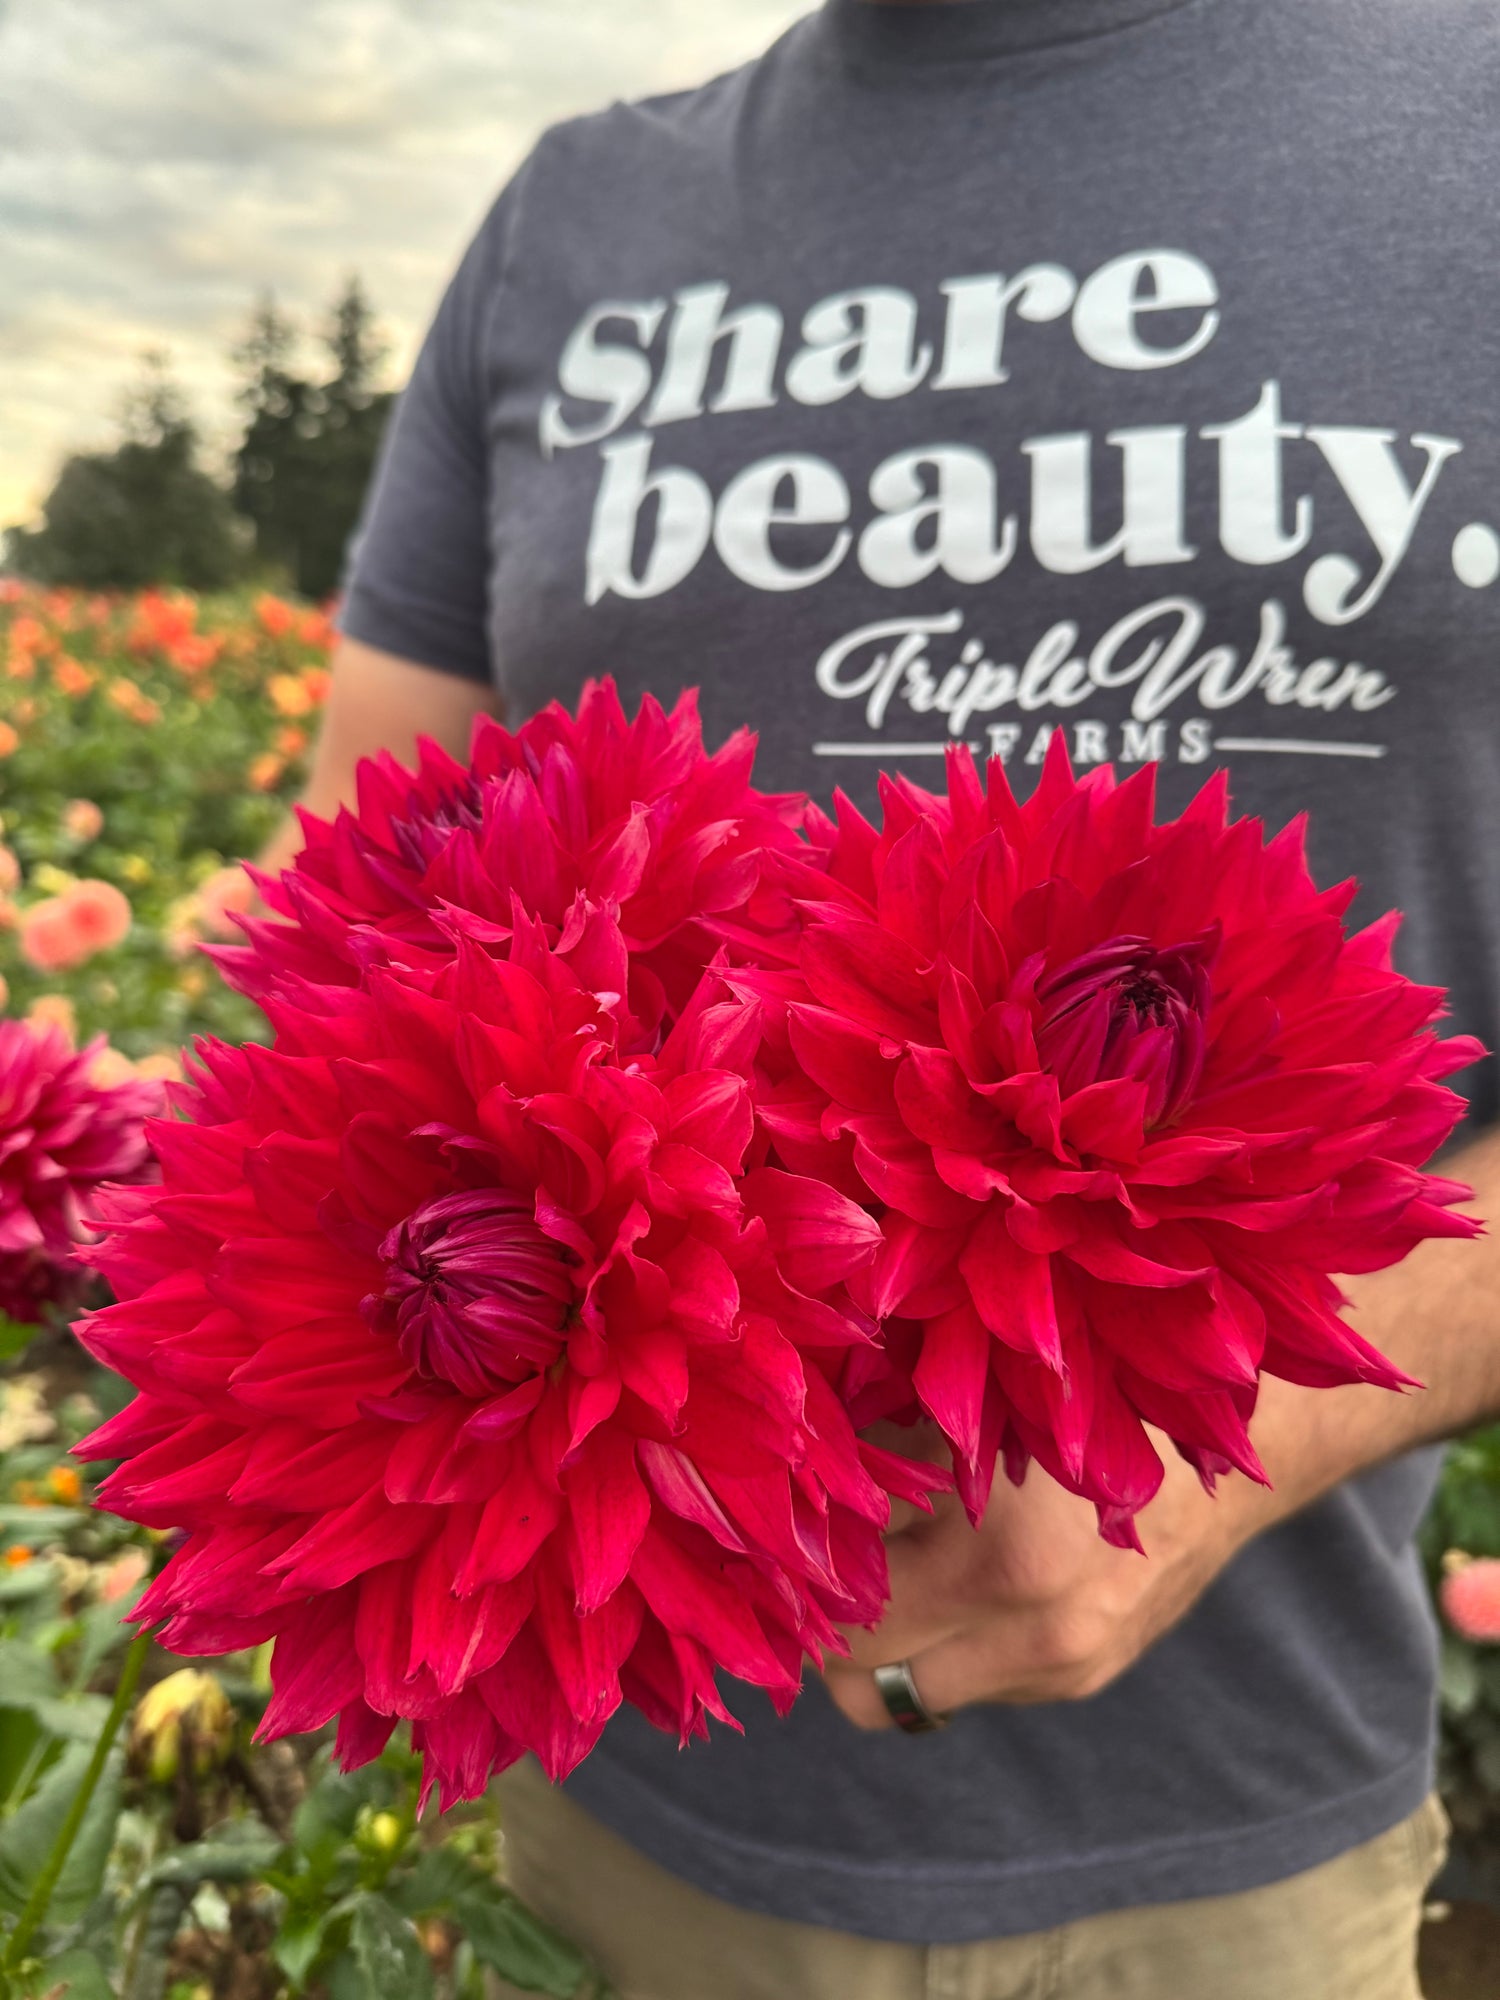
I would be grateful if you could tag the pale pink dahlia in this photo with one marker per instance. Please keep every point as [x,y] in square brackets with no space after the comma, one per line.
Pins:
[1122,1097]
[62,1133]
[480,1374]
[562,811]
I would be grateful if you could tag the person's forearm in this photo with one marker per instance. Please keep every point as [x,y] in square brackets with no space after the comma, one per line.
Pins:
[1437,1316]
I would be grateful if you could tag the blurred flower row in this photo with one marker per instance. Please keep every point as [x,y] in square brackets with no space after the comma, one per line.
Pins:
[146,742]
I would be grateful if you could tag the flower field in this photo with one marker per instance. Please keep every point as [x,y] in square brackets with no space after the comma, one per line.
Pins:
[149,1848]
[145,744]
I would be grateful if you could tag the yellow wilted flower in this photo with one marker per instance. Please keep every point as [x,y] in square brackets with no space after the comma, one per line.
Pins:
[187,1700]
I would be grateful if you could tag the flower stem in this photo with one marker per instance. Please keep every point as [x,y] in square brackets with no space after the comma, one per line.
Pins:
[35,1911]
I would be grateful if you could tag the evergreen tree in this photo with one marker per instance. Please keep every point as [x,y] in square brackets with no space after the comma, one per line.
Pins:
[310,441]
[144,513]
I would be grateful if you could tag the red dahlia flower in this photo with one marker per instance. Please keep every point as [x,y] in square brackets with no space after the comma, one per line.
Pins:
[61,1134]
[1122,1096]
[633,814]
[479,1374]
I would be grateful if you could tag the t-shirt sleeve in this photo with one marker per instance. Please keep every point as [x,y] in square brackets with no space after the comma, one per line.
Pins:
[416,574]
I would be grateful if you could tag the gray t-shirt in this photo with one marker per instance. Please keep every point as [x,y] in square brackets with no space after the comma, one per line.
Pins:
[968,372]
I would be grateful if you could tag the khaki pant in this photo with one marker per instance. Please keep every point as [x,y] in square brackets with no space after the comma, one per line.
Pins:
[1344,1931]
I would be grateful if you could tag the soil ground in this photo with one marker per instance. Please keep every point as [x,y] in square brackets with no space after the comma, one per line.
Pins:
[1461,1953]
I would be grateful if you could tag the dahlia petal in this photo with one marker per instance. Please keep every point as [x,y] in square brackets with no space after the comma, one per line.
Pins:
[608,1509]
[951,1375]
[818,1236]
[1012,1290]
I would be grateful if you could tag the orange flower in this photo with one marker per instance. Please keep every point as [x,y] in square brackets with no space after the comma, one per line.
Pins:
[161,622]
[72,676]
[128,698]
[316,629]
[196,652]
[276,616]
[19,665]
[82,819]
[318,681]
[64,1485]
[265,771]
[17,1556]
[290,694]
[28,634]
[291,741]
[25,711]
[10,742]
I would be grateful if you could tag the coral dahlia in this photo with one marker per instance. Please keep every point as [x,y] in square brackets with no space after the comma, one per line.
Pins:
[1471,1598]
[481,1375]
[631,813]
[1122,1096]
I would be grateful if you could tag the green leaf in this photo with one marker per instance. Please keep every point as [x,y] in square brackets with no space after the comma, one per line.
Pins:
[26,1675]
[298,1943]
[514,1942]
[14,1337]
[26,1838]
[388,1953]
[102,1629]
[439,1876]
[19,1586]
[1458,1676]
[79,1719]
[73,1975]
[233,1855]
[34,1523]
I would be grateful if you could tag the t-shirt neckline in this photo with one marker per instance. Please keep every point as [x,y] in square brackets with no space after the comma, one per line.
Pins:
[871,34]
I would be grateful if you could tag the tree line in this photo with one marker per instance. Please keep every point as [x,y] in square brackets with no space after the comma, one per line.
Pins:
[151,511]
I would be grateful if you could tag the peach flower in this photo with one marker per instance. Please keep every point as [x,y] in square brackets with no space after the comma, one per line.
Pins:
[10,871]
[265,770]
[66,930]
[226,894]
[54,1010]
[82,819]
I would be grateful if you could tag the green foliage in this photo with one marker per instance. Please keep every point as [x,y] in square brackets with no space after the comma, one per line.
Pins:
[146,512]
[272,1874]
[1465,1518]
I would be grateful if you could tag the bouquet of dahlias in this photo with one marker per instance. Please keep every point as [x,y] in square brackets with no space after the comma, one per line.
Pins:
[631,1140]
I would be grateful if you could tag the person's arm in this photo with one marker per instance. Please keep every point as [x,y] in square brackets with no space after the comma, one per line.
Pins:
[378,701]
[1034,1607]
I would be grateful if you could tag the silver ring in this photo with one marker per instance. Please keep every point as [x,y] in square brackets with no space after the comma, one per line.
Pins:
[906,1708]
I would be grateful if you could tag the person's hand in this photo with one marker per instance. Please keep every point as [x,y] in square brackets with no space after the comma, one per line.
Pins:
[1032,1606]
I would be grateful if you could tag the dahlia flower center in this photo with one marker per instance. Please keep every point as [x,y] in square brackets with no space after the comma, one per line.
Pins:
[1129,1009]
[476,1294]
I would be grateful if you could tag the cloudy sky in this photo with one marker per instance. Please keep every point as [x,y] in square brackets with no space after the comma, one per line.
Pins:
[162,161]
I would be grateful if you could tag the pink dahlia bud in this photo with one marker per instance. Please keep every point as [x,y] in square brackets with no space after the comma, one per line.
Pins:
[1127,1009]
[478,1295]
[1471,1600]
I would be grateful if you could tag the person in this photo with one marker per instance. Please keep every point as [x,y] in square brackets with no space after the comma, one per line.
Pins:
[965,372]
